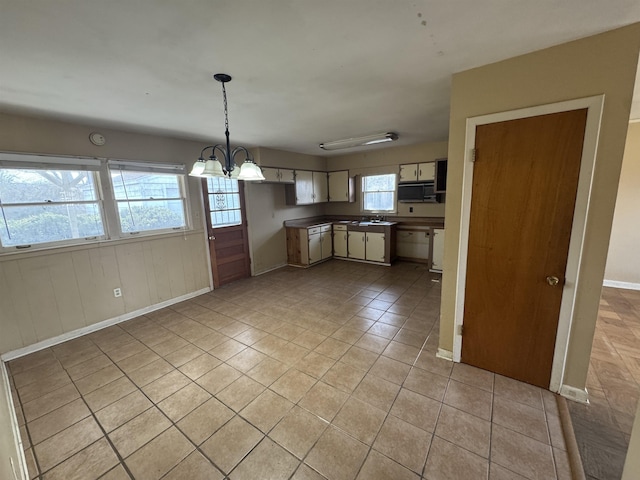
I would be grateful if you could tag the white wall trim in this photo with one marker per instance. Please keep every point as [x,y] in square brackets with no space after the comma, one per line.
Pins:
[21,472]
[444,354]
[575,394]
[594,105]
[270,269]
[617,284]
[49,342]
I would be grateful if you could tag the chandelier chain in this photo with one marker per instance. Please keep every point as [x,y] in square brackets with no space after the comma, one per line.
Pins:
[226,118]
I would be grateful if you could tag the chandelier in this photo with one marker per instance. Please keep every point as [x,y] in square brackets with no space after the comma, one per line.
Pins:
[226,166]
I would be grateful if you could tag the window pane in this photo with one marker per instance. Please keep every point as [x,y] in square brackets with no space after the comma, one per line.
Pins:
[129,185]
[26,225]
[151,215]
[378,192]
[40,186]
[224,202]
[379,201]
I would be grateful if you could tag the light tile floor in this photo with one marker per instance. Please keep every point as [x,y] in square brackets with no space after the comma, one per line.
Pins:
[328,372]
[603,427]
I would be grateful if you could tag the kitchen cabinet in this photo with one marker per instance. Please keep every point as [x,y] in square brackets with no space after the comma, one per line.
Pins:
[309,187]
[441,175]
[437,249]
[413,243]
[309,245]
[339,240]
[417,172]
[357,245]
[341,186]
[374,248]
[277,175]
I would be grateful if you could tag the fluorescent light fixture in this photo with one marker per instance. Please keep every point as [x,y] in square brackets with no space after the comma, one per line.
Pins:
[360,141]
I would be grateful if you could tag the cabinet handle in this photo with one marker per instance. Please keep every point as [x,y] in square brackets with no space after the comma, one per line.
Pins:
[420,172]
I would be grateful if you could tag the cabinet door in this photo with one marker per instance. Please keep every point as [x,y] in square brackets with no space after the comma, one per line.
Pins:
[270,175]
[286,176]
[320,187]
[408,172]
[304,187]
[427,171]
[438,249]
[375,247]
[315,248]
[356,242]
[340,243]
[339,186]
[327,246]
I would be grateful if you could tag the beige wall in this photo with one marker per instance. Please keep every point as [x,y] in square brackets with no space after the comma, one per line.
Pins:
[623,261]
[267,210]
[387,160]
[632,464]
[47,293]
[602,64]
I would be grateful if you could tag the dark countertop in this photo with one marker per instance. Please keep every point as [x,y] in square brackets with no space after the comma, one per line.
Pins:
[399,221]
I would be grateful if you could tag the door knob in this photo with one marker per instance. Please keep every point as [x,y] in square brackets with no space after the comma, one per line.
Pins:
[212,237]
[553,281]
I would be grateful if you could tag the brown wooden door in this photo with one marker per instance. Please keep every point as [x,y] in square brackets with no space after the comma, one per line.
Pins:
[227,229]
[525,179]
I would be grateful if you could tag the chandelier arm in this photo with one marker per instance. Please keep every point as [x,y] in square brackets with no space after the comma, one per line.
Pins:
[240,148]
[218,146]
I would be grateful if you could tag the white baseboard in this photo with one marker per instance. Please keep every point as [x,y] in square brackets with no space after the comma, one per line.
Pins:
[18,465]
[49,342]
[270,269]
[575,394]
[625,285]
[445,354]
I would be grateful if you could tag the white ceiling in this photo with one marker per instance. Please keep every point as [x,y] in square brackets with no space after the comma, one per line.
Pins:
[304,71]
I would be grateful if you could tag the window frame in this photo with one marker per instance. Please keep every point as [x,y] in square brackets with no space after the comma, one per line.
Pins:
[147,167]
[394,208]
[100,169]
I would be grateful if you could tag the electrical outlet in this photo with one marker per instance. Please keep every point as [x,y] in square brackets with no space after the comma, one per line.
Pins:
[117,292]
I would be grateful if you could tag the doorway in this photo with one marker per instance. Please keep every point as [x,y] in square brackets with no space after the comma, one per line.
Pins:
[570,281]
[227,229]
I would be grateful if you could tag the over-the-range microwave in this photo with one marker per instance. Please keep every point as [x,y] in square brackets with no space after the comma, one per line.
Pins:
[419,192]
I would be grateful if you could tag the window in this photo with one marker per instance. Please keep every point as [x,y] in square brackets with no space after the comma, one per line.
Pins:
[224,202]
[379,193]
[52,203]
[149,197]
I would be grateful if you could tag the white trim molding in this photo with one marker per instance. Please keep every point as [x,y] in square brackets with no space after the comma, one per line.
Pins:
[575,394]
[594,107]
[50,342]
[624,285]
[444,354]
[19,470]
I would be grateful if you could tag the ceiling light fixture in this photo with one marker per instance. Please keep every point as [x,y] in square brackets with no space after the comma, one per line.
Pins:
[360,141]
[226,166]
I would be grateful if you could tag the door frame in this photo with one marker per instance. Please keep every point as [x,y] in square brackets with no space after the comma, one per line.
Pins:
[594,106]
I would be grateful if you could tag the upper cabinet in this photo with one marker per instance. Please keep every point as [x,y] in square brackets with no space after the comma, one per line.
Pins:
[341,187]
[441,175]
[277,175]
[417,172]
[308,188]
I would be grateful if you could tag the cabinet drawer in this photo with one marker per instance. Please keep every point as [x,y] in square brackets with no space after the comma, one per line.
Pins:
[312,230]
[325,228]
[339,226]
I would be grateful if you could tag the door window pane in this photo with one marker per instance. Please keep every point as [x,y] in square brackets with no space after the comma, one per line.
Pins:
[224,202]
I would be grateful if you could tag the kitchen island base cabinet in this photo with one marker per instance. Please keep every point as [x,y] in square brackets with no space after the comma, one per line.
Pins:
[373,243]
[307,246]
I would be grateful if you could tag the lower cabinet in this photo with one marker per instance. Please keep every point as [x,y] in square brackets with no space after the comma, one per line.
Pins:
[375,247]
[306,246]
[340,241]
[357,245]
[437,249]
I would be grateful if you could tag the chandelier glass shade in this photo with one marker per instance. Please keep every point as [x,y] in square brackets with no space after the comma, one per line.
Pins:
[224,165]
